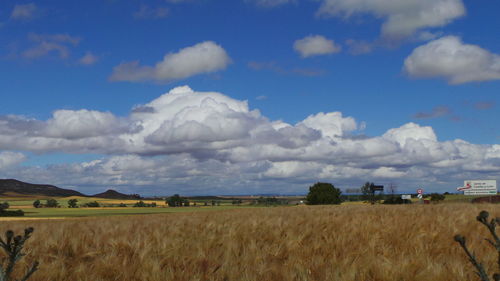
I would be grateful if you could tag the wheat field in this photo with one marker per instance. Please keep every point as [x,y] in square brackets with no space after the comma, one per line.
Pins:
[346,242]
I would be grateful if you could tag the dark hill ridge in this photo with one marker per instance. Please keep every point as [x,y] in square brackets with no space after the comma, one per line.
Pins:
[113,194]
[24,188]
[19,187]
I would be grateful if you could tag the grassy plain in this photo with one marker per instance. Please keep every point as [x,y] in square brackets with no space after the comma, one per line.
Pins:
[111,211]
[347,242]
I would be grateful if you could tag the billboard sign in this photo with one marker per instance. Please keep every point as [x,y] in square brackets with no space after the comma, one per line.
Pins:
[479,187]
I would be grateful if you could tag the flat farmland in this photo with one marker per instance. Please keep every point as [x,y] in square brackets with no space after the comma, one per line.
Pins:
[346,242]
[111,211]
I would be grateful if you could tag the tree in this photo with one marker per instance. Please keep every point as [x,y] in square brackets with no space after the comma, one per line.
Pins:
[5,213]
[72,203]
[37,204]
[323,193]
[93,204]
[52,203]
[396,200]
[369,194]
[4,206]
[436,197]
[143,204]
[177,201]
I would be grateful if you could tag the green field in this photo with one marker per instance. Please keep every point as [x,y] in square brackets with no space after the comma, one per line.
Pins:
[109,206]
[94,212]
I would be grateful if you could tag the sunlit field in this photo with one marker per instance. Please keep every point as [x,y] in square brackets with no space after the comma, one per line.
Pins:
[346,242]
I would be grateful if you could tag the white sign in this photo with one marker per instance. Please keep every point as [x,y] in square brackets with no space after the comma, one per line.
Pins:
[479,187]
[419,196]
[406,196]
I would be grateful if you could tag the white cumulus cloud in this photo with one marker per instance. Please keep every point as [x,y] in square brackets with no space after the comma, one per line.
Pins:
[200,141]
[205,57]
[449,58]
[315,45]
[401,18]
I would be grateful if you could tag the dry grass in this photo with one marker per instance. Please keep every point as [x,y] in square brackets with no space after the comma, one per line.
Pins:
[352,242]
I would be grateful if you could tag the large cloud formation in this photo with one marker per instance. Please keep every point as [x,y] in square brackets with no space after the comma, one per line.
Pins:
[207,142]
[449,58]
[201,58]
[401,18]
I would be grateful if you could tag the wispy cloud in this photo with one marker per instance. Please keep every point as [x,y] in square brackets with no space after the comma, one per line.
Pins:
[147,12]
[359,47]
[271,3]
[436,112]
[88,59]
[24,11]
[275,67]
[46,44]
[401,19]
[484,105]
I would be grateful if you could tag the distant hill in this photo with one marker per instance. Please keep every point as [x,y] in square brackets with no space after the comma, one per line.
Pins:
[11,186]
[113,194]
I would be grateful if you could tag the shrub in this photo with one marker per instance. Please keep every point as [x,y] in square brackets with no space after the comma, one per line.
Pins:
[143,204]
[16,213]
[122,205]
[396,200]
[436,197]
[13,246]
[323,193]
[177,201]
[495,243]
[4,206]
[51,203]
[140,204]
[93,204]
[37,204]
[5,213]
[72,203]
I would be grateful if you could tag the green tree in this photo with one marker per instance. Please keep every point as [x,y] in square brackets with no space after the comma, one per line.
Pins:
[93,204]
[436,197]
[72,203]
[4,206]
[323,193]
[177,201]
[140,204]
[51,203]
[37,204]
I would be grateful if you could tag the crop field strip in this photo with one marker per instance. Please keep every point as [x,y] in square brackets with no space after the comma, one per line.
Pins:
[347,242]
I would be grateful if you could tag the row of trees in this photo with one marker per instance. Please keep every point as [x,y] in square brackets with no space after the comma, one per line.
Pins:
[326,193]
[7,213]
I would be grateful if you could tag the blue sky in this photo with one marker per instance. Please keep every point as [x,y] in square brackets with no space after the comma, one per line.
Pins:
[275,94]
